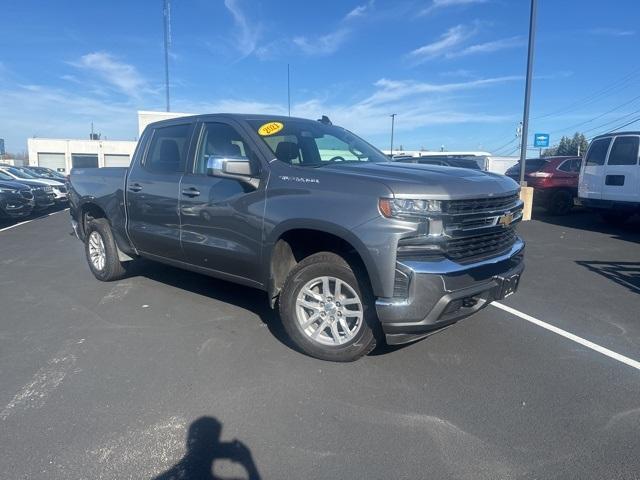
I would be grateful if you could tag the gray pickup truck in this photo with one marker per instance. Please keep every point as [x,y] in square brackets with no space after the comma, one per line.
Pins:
[352,248]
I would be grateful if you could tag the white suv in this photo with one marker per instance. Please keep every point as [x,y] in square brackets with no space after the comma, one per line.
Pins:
[610,176]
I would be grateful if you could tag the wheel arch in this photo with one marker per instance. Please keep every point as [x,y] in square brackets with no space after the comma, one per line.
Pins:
[296,240]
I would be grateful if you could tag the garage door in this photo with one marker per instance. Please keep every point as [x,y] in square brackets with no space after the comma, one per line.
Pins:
[54,161]
[112,160]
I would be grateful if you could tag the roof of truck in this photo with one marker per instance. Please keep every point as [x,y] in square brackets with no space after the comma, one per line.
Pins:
[236,116]
[611,134]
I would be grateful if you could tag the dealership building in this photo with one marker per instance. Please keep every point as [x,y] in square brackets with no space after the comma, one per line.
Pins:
[62,154]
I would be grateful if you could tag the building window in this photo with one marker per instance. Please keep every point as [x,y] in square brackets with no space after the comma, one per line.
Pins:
[82,160]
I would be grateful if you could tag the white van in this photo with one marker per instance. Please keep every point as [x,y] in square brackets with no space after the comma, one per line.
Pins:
[610,176]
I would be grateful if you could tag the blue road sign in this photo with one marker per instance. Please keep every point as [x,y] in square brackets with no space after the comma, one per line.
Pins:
[541,140]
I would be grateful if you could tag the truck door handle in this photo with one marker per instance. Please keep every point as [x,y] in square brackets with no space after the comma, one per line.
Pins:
[135,187]
[191,192]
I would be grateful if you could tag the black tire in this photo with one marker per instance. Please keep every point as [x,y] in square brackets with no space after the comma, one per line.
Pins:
[616,219]
[113,268]
[332,265]
[560,203]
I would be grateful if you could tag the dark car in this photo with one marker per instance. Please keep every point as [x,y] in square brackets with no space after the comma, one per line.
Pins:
[44,172]
[16,199]
[442,160]
[554,179]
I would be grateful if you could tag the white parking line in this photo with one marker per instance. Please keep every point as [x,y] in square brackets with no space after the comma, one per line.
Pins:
[586,343]
[29,221]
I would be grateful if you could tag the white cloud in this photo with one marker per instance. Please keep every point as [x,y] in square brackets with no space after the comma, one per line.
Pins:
[612,32]
[323,45]
[489,47]
[437,4]
[247,35]
[449,40]
[359,11]
[122,76]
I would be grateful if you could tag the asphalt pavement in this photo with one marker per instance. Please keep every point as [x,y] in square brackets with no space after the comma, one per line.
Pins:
[169,372]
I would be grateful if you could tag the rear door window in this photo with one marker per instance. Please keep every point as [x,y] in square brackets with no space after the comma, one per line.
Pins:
[168,149]
[598,152]
[624,151]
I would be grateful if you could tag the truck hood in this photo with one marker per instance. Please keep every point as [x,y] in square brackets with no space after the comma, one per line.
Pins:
[15,185]
[430,181]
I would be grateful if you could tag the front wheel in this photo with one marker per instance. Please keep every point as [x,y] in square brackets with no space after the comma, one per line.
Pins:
[101,251]
[326,311]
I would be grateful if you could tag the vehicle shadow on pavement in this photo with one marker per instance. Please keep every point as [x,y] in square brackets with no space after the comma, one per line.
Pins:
[247,298]
[626,274]
[204,449]
[585,220]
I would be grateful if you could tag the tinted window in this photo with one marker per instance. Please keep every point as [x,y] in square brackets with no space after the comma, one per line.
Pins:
[290,142]
[84,161]
[624,151]
[598,152]
[168,149]
[572,165]
[220,140]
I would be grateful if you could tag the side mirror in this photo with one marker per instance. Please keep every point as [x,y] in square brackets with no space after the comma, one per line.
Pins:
[237,168]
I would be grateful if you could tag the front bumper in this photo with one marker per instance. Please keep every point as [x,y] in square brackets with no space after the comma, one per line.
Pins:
[443,292]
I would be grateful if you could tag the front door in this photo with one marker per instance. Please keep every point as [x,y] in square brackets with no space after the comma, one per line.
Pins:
[591,178]
[153,192]
[222,217]
[621,176]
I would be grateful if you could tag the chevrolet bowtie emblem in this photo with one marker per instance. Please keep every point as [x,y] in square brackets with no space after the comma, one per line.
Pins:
[505,220]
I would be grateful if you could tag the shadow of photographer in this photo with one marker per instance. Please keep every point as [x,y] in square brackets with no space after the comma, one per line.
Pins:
[204,448]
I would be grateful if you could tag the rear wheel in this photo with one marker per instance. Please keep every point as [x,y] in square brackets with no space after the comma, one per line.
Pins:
[326,311]
[560,203]
[101,251]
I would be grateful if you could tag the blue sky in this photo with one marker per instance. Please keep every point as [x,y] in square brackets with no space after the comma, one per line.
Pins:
[452,70]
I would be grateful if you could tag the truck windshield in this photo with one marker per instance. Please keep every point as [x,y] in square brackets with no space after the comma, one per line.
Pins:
[314,144]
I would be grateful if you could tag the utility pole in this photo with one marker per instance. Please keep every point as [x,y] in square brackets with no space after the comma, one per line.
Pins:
[393,119]
[167,40]
[288,90]
[527,89]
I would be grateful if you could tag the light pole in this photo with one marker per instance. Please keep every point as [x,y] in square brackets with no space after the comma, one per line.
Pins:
[527,89]
[393,119]
[167,34]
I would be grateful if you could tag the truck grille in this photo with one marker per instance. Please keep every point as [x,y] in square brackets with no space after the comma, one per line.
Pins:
[480,205]
[480,246]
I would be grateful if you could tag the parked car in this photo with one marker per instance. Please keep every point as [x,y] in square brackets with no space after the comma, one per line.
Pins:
[346,245]
[443,161]
[554,179]
[44,172]
[16,199]
[42,192]
[22,174]
[610,177]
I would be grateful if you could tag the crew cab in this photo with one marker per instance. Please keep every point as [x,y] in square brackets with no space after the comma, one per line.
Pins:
[352,248]
[610,176]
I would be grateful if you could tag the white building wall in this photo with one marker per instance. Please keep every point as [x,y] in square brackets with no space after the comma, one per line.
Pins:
[147,117]
[70,146]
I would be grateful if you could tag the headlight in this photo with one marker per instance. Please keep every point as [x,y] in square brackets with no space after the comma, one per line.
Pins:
[408,208]
[8,190]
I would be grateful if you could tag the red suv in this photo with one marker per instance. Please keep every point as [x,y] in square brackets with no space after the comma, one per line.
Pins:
[555,180]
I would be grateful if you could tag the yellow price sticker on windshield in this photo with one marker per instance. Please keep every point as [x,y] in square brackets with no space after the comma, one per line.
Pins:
[270,128]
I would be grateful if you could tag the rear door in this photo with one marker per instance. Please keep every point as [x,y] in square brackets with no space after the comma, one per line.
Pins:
[222,217]
[592,173]
[621,176]
[153,188]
